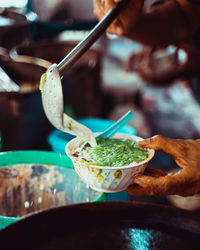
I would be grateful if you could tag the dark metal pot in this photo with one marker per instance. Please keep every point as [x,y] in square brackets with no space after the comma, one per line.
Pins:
[81,84]
[15,29]
[23,123]
[105,225]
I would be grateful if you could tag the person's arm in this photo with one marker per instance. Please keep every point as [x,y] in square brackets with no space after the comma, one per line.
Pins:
[186,182]
[163,24]
[171,22]
[163,70]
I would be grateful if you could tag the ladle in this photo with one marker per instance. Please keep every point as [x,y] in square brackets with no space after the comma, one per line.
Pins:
[93,35]
[51,87]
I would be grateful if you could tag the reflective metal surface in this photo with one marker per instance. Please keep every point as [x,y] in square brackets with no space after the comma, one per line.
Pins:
[26,188]
[106,225]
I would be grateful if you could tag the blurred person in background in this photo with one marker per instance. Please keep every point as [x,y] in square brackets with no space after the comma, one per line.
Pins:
[48,10]
[158,25]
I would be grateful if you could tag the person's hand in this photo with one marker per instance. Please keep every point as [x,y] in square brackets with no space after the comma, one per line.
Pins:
[164,70]
[185,182]
[126,19]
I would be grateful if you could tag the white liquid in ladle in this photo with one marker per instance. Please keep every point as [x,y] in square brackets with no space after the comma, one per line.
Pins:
[53,104]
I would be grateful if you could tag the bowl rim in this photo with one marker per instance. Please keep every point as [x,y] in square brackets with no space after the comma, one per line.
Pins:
[131,165]
[14,157]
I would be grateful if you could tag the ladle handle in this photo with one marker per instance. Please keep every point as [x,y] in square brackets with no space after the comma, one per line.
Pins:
[93,35]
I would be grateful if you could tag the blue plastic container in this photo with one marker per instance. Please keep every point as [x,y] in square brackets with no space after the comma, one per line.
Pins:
[58,140]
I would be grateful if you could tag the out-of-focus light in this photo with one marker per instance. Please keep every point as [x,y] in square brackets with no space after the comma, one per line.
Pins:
[11,3]
[182,56]
[140,239]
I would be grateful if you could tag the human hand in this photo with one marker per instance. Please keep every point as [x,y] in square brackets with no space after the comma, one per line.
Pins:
[163,70]
[186,182]
[126,19]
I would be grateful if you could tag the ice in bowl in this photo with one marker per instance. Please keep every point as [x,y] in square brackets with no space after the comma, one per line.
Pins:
[113,164]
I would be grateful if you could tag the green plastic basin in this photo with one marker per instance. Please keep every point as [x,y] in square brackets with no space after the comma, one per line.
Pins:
[32,181]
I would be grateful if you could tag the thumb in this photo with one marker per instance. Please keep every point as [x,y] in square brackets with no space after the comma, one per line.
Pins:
[162,143]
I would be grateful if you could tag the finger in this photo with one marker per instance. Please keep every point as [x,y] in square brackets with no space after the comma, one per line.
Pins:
[130,13]
[154,172]
[162,143]
[138,191]
[99,8]
[181,183]
[109,4]
[116,28]
[149,184]
[154,185]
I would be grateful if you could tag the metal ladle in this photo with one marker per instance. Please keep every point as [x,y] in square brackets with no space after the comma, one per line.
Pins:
[93,35]
[52,97]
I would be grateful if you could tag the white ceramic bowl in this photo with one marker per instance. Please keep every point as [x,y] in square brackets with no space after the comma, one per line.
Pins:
[104,178]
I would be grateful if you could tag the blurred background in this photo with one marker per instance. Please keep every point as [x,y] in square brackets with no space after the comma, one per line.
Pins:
[34,34]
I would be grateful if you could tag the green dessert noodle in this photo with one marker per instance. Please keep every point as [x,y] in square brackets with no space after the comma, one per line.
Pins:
[113,152]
